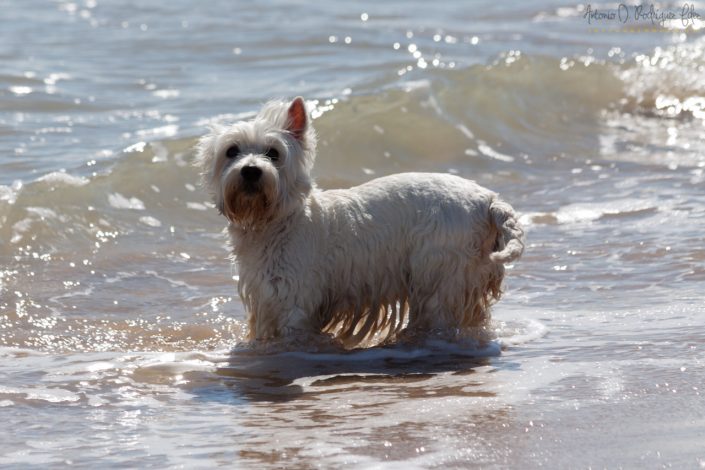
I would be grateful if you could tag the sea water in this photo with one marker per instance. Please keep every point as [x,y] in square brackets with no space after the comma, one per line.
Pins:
[121,332]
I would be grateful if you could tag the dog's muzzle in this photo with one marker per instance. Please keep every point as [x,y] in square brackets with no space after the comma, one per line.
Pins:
[249,193]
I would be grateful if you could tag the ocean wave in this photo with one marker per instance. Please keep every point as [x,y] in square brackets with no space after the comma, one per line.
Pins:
[516,119]
[518,114]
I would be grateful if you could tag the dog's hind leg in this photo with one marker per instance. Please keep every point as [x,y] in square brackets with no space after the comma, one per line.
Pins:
[436,290]
[482,289]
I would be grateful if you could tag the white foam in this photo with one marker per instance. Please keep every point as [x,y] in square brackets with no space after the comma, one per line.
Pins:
[14,352]
[576,213]
[138,147]
[21,90]
[151,221]
[51,395]
[85,293]
[173,365]
[492,153]
[118,201]
[169,130]
[197,206]
[19,228]
[531,331]
[55,77]
[588,212]
[465,131]
[42,212]
[223,119]
[64,178]
[169,366]
[100,366]
[413,85]
[9,193]
[166,94]
[161,153]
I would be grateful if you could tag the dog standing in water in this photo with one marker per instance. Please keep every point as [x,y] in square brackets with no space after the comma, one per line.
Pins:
[424,247]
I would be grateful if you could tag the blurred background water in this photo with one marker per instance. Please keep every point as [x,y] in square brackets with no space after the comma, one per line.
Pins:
[118,308]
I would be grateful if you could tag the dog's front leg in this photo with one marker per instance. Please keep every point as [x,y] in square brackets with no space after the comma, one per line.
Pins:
[295,322]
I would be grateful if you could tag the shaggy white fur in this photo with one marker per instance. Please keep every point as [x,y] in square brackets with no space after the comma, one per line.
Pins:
[415,249]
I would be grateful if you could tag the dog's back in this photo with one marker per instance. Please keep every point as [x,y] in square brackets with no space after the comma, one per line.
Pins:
[433,241]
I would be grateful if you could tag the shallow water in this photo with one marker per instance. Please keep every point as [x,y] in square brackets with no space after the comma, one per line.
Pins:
[120,328]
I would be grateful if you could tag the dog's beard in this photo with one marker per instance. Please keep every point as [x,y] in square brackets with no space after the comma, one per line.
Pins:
[248,204]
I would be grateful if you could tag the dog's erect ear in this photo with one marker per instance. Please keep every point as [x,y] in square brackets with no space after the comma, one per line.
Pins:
[297,120]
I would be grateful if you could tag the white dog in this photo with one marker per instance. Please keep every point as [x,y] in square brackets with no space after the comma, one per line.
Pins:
[414,249]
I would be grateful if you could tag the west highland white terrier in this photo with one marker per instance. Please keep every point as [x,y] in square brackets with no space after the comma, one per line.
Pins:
[416,252]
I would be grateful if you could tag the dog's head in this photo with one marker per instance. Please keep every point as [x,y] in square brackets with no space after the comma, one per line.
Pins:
[259,170]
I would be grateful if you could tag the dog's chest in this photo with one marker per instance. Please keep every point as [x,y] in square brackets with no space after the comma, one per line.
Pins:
[276,264]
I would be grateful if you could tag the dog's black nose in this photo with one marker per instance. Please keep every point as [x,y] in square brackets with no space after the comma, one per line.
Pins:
[251,173]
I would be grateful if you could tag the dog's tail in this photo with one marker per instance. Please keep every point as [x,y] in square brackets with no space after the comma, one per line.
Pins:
[509,244]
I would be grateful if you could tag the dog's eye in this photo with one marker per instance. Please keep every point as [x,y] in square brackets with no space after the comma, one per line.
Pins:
[233,152]
[273,154]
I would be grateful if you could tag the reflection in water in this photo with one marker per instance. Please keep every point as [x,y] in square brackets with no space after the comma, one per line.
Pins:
[357,403]
[284,377]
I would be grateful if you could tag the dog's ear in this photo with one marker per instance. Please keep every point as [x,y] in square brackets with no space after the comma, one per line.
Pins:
[205,158]
[297,118]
